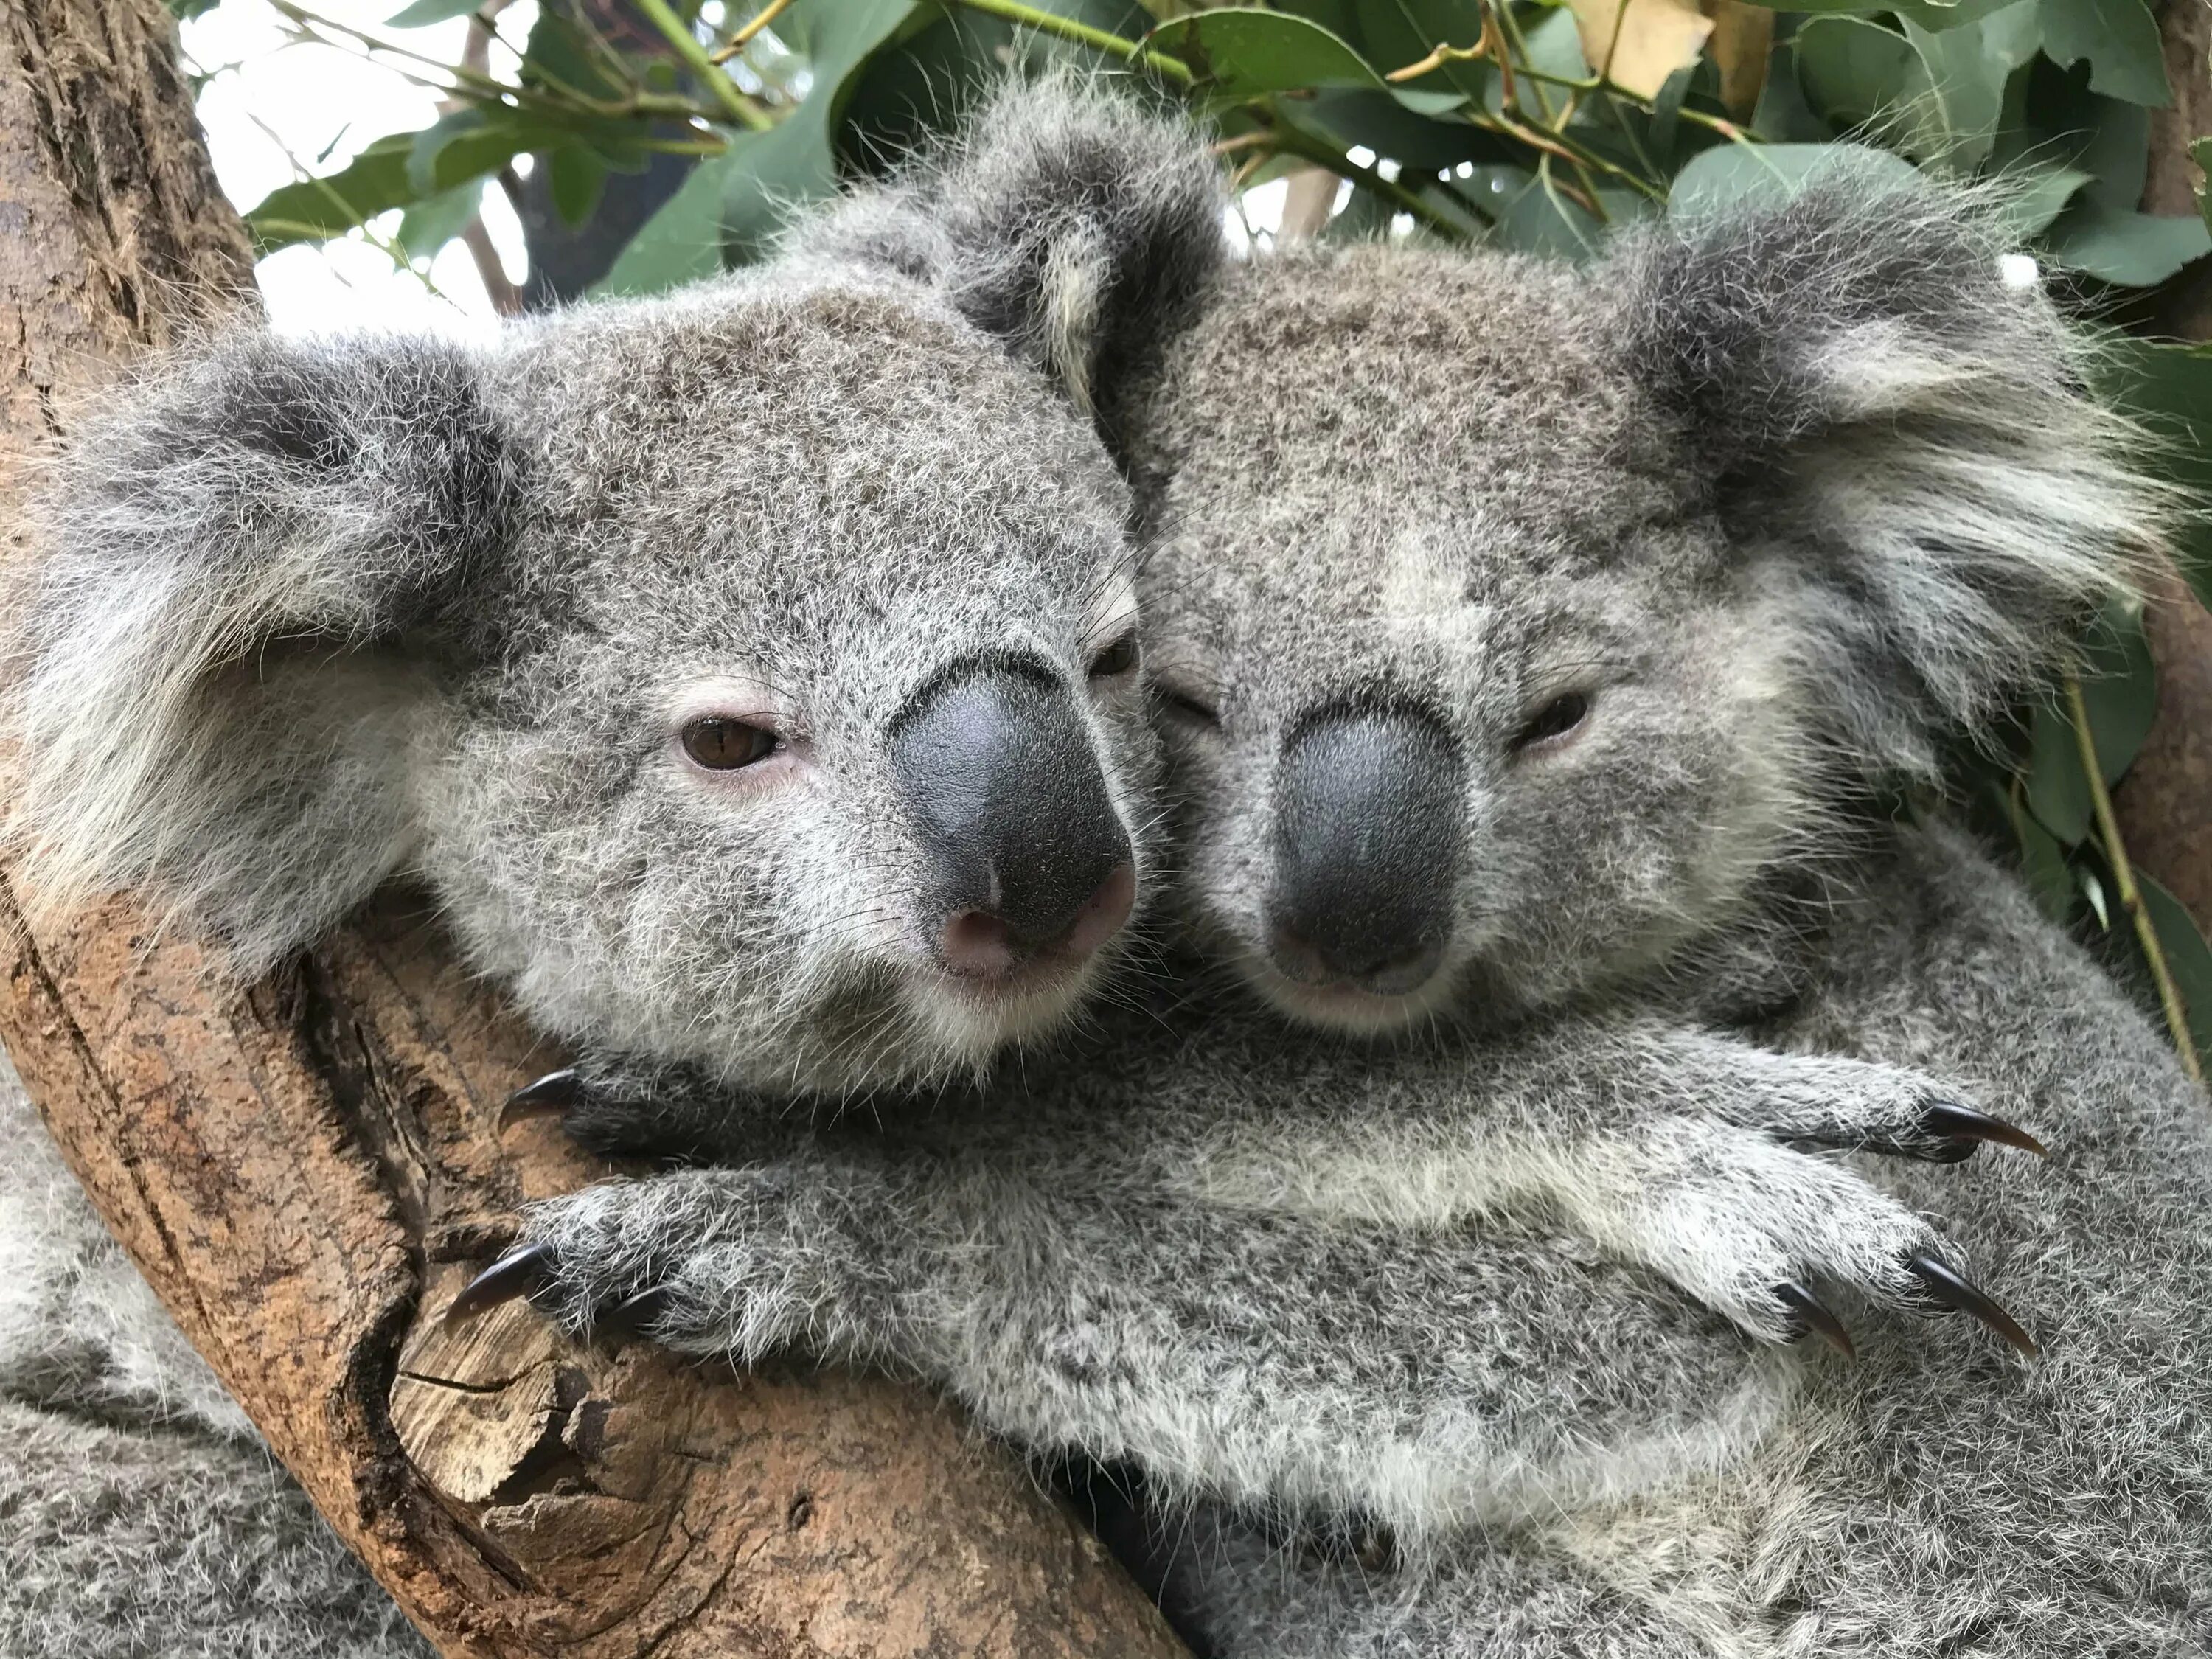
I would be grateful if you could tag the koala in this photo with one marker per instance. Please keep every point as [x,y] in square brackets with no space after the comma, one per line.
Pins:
[751,674]
[1558,721]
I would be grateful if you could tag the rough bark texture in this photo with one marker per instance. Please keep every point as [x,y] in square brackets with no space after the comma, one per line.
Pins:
[305,1169]
[2164,804]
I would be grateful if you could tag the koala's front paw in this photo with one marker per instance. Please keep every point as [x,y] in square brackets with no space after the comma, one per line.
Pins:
[1851,1105]
[621,1113]
[699,1261]
[1750,1227]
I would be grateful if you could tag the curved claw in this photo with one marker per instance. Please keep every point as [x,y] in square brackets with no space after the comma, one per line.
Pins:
[1956,1122]
[1943,1285]
[1810,1312]
[632,1315]
[516,1273]
[555,1092]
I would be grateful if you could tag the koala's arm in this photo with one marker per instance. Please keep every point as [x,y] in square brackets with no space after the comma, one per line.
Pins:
[1704,1158]
[1069,1298]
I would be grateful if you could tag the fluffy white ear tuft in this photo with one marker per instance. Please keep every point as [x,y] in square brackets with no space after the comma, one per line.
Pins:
[206,688]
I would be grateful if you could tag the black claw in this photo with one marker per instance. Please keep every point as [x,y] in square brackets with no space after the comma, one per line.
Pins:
[1943,1285]
[633,1316]
[1809,1311]
[555,1092]
[518,1273]
[1964,1124]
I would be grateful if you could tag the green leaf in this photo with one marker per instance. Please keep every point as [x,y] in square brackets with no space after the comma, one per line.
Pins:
[1930,15]
[2043,862]
[1239,53]
[575,178]
[2037,198]
[2168,389]
[2120,40]
[2119,689]
[375,181]
[1416,142]
[1853,71]
[429,224]
[1731,175]
[2114,245]
[423,12]
[682,240]
[2188,961]
[730,205]
[2057,788]
[467,144]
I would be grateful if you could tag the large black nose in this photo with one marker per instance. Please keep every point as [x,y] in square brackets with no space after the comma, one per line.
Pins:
[1369,832]
[1026,851]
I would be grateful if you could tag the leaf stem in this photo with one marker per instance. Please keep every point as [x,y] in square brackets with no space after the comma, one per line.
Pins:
[1289,140]
[2123,877]
[1105,40]
[711,76]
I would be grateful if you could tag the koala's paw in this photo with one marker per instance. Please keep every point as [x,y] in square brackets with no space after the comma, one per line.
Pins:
[699,1260]
[1751,1227]
[1851,1105]
[618,1113]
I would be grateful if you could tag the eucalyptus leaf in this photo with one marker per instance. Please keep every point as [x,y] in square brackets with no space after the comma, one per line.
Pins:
[575,177]
[2136,250]
[2043,864]
[2119,39]
[467,144]
[2188,961]
[2168,389]
[428,225]
[683,241]
[2119,689]
[423,12]
[1243,53]
[1854,72]
[1729,176]
[314,209]
[2057,788]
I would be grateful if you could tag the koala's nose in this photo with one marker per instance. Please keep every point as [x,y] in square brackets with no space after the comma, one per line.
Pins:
[1369,833]
[1027,853]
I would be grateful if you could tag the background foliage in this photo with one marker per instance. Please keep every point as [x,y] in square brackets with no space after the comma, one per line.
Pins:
[668,136]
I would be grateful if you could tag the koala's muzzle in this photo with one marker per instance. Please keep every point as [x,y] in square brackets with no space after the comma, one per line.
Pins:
[1369,833]
[1027,856]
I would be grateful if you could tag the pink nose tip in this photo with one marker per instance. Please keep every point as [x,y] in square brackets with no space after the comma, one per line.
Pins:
[980,945]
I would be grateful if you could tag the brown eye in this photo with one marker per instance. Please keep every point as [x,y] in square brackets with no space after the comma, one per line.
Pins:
[1118,658]
[1554,720]
[723,745]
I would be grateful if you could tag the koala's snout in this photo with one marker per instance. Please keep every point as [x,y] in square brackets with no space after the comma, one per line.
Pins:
[1027,855]
[1369,833]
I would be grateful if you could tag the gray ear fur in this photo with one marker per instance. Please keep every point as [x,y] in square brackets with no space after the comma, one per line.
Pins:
[1064,219]
[193,688]
[1871,402]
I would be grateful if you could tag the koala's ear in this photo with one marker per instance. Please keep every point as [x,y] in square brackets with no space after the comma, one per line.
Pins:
[1066,221]
[1870,402]
[209,685]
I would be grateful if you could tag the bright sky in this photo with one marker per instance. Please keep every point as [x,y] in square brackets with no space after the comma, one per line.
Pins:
[273,109]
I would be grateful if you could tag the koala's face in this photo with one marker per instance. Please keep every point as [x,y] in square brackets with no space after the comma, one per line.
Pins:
[1464,698]
[806,737]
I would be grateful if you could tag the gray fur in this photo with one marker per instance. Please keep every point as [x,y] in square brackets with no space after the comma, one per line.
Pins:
[1788,560]
[139,1516]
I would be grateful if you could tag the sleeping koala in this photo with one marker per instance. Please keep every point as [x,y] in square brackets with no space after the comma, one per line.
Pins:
[1813,491]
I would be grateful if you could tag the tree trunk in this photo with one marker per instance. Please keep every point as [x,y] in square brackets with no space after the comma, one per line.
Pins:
[2164,803]
[306,1170]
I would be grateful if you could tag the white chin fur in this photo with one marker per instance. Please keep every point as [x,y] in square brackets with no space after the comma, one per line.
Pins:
[969,1022]
[1354,1012]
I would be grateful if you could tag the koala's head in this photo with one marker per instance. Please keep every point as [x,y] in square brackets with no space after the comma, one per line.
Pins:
[1510,622]
[751,672]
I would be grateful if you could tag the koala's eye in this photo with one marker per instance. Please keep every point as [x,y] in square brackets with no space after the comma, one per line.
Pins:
[1553,720]
[1117,659]
[721,745]
[1182,706]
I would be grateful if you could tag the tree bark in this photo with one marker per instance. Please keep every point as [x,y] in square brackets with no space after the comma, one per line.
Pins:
[2164,803]
[306,1169]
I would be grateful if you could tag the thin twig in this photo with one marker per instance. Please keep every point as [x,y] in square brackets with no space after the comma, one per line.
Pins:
[720,87]
[2123,877]
[745,37]
[1067,29]
[1291,141]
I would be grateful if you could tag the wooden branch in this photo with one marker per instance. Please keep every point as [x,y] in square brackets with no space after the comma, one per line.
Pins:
[2164,803]
[305,1169]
